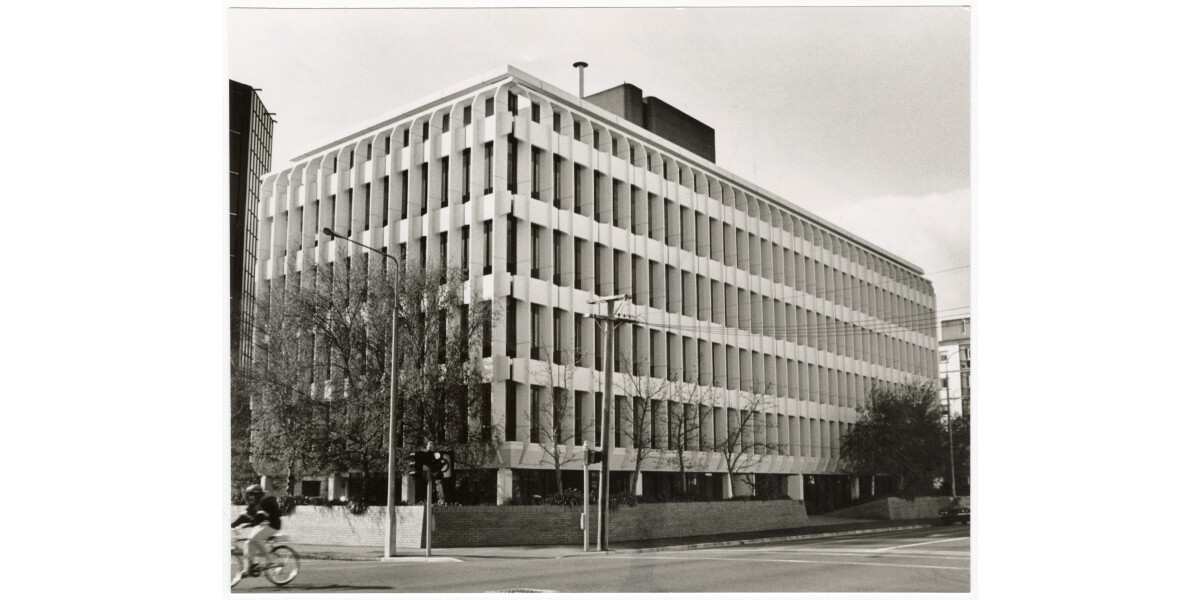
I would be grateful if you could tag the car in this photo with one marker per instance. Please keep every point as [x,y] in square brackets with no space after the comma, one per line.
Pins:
[959,510]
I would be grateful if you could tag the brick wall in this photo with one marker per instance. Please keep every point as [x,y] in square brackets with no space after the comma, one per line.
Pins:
[924,507]
[470,526]
[335,526]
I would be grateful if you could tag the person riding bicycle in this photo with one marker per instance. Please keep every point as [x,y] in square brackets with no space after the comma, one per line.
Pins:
[262,515]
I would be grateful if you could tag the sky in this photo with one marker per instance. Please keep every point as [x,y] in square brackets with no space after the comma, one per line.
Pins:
[860,115]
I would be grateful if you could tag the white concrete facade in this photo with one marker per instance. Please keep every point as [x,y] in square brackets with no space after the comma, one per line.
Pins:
[556,202]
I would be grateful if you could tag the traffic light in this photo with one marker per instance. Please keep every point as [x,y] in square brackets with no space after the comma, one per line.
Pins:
[442,464]
[418,460]
[594,456]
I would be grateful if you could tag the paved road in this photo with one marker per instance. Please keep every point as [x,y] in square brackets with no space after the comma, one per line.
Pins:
[936,559]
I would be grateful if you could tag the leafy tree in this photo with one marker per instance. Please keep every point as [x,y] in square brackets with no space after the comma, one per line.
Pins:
[320,380]
[899,432]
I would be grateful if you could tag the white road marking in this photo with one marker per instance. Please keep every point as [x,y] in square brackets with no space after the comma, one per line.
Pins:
[781,560]
[923,543]
[949,554]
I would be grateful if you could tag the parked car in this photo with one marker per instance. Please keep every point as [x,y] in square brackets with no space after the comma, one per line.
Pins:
[959,510]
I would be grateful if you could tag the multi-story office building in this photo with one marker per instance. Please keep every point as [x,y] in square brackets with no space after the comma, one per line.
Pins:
[549,201]
[954,364]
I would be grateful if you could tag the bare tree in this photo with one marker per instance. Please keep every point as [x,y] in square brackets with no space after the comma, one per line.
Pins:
[641,390]
[549,414]
[745,443]
[684,402]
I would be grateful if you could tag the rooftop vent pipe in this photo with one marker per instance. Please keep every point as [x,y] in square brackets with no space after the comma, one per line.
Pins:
[581,66]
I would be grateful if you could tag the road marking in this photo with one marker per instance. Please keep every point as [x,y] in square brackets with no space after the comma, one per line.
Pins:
[781,560]
[948,554]
[923,543]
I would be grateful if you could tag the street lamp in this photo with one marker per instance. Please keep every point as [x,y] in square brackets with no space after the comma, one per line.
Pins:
[390,545]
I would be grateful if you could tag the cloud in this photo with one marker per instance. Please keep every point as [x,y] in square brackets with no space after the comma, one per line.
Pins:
[932,231]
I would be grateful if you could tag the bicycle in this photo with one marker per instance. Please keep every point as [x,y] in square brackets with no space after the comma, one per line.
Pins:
[281,567]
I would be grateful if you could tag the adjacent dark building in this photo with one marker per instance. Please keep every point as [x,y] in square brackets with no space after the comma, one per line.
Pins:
[250,132]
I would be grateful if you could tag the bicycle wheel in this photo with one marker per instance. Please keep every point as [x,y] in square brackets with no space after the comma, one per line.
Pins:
[235,567]
[284,566]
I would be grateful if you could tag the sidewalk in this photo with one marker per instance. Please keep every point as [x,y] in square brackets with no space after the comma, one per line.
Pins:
[819,526]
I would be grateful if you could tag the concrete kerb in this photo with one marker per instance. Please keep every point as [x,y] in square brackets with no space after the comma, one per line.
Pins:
[788,538]
[357,554]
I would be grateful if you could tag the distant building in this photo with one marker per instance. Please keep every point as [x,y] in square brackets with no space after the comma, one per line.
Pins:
[250,128]
[954,364]
[549,200]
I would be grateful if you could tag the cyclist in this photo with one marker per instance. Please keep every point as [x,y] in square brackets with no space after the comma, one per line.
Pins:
[263,516]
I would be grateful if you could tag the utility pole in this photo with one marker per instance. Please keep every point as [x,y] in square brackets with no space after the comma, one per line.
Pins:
[610,320]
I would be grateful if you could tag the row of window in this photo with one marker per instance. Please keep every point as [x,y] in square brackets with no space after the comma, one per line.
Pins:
[542,415]
[672,224]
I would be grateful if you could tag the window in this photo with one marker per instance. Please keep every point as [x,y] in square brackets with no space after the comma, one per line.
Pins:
[487,247]
[535,113]
[387,194]
[510,328]
[487,167]
[349,211]
[489,107]
[536,342]
[445,181]
[512,164]
[403,195]
[535,429]
[464,251]
[558,125]
[387,145]
[558,160]
[576,130]
[466,116]
[466,175]
[335,164]
[578,199]
[351,159]
[424,188]
[404,141]
[487,328]
[535,175]
[535,269]
[443,245]
[512,103]
[425,131]
[511,256]
[943,357]
[510,411]
[578,331]
[445,122]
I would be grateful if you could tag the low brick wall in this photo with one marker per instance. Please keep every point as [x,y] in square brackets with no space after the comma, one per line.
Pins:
[471,526]
[892,508]
[336,526]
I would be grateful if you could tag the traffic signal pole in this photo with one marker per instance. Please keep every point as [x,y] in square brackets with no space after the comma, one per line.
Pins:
[587,492]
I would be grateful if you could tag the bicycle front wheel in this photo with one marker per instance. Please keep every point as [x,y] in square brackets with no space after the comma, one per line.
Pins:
[284,565]
[235,567]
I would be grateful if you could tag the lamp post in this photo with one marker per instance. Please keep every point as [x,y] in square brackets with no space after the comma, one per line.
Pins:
[390,544]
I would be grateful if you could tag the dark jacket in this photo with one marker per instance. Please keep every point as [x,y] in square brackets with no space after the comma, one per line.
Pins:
[266,509]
